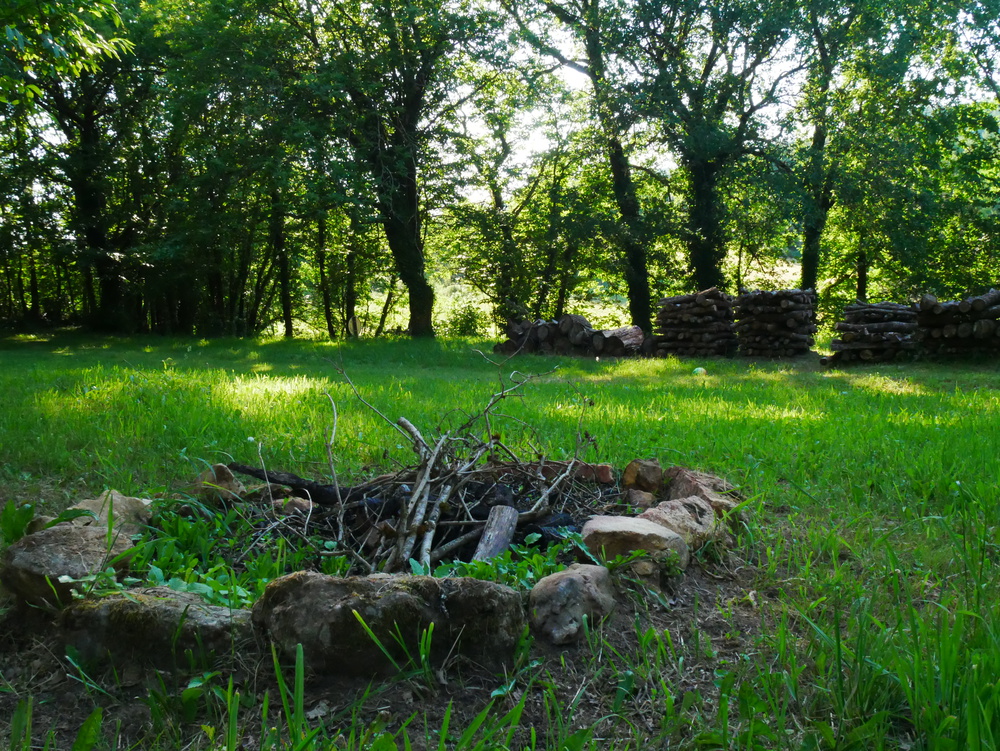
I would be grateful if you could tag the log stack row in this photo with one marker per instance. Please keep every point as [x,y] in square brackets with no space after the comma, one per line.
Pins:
[775,324]
[960,327]
[570,335]
[698,325]
[874,332]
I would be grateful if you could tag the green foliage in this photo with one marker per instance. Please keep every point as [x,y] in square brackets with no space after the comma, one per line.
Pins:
[467,321]
[55,35]
[14,521]
[854,137]
[519,566]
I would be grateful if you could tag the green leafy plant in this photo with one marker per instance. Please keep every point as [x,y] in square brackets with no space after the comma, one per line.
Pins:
[14,521]
[520,566]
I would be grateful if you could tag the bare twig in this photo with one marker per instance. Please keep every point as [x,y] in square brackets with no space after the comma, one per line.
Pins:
[410,430]
[541,506]
[364,401]
[456,544]
[418,505]
[260,455]
[431,526]
[333,470]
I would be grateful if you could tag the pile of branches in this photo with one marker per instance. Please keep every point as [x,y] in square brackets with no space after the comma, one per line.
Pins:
[873,332]
[695,325]
[570,335]
[465,498]
[960,327]
[775,324]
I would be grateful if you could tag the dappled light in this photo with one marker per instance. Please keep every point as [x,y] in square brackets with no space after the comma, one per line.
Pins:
[869,484]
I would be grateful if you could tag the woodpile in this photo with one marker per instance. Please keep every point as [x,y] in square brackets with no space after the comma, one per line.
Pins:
[960,327]
[775,324]
[698,325]
[874,332]
[570,335]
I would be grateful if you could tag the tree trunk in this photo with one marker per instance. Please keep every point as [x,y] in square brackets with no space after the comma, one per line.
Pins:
[407,249]
[862,267]
[280,252]
[90,203]
[324,282]
[34,308]
[566,275]
[399,201]
[819,201]
[552,232]
[351,289]
[79,118]
[705,241]
[633,235]
[386,307]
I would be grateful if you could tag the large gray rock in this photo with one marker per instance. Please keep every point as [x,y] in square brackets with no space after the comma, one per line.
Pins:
[37,567]
[559,602]
[693,518]
[130,515]
[611,536]
[156,626]
[478,619]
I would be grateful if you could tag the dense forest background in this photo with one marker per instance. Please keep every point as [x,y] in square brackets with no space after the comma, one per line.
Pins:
[228,167]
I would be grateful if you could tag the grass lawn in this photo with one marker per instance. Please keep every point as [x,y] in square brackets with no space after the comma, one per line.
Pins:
[865,563]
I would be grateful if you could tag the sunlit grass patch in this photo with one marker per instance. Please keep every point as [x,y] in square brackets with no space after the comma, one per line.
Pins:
[870,540]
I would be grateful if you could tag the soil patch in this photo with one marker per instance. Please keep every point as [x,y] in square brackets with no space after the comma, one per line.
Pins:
[707,621]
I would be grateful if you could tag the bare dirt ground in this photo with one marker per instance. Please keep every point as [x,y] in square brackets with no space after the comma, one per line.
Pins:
[712,614]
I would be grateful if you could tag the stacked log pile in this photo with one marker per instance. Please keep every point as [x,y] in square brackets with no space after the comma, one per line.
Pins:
[698,325]
[775,324]
[960,327]
[873,332]
[570,335]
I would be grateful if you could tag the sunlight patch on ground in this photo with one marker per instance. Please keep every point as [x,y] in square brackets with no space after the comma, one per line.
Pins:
[255,388]
[888,384]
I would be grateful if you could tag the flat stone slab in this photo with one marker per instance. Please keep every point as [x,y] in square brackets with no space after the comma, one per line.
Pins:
[611,536]
[480,620]
[156,626]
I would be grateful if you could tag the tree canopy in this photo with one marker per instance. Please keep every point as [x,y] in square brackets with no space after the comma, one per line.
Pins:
[237,166]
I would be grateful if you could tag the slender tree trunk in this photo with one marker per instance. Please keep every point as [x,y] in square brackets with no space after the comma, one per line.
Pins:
[565,274]
[386,307]
[280,253]
[89,294]
[508,307]
[706,249]
[324,282]
[22,298]
[351,290]
[633,236]
[354,253]
[90,203]
[819,179]
[35,307]
[862,268]
[551,239]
